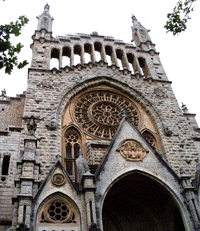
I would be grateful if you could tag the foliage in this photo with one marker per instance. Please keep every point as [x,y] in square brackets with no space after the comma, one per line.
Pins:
[178,19]
[9,51]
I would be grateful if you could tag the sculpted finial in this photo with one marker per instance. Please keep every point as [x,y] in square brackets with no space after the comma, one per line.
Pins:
[133,18]
[46,7]
[184,108]
[3,93]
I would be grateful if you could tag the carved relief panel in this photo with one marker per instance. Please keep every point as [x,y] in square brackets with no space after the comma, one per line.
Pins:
[132,150]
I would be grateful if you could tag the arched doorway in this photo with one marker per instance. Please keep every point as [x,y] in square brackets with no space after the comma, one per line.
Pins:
[137,202]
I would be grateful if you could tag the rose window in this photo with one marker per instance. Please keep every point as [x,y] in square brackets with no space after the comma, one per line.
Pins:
[99,112]
[106,113]
[58,210]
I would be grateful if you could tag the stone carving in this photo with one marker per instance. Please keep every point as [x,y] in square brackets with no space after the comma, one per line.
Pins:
[184,108]
[81,167]
[160,93]
[58,179]
[46,83]
[98,112]
[167,130]
[132,150]
[3,93]
[31,125]
[52,123]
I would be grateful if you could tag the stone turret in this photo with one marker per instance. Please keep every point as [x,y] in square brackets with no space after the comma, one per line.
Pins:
[140,35]
[45,20]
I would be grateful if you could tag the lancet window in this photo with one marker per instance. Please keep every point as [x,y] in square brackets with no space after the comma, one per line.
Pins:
[5,167]
[72,147]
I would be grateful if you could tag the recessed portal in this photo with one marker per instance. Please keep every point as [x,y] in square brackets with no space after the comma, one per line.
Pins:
[136,202]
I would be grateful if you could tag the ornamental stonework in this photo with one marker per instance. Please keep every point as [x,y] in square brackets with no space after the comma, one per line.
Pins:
[99,112]
[132,150]
[58,210]
[58,179]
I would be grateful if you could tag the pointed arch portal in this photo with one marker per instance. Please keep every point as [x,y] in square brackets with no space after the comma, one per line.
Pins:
[137,202]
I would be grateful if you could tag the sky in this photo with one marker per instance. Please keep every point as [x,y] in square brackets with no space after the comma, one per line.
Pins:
[179,54]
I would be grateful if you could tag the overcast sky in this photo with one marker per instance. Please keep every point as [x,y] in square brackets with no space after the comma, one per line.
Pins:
[179,55]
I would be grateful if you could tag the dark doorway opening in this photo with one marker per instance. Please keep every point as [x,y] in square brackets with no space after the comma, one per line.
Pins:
[137,202]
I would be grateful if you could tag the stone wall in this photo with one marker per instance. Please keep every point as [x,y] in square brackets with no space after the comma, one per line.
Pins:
[9,146]
[155,96]
[11,111]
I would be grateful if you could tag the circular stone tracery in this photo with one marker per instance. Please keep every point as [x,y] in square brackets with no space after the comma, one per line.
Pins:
[98,112]
[106,113]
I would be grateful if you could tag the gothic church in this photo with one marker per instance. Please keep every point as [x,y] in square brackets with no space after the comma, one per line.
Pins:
[98,142]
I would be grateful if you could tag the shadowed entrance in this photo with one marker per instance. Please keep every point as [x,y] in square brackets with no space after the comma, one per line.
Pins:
[136,202]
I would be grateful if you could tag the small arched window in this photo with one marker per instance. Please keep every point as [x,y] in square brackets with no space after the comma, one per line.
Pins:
[88,53]
[77,55]
[143,66]
[98,51]
[54,62]
[109,55]
[132,63]
[72,147]
[66,54]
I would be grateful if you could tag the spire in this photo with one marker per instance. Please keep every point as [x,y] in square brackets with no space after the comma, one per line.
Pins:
[140,35]
[45,19]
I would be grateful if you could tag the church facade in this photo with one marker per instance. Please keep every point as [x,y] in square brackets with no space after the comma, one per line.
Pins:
[98,142]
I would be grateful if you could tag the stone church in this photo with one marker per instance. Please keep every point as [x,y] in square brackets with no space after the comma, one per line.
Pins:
[98,141]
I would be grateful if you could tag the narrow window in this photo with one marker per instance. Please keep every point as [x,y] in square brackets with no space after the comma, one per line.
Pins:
[132,64]
[120,59]
[5,165]
[66,54]
[54,62]
[98,51]
[143,66]
[77,55]
[109,55]
[72,147]
[88,53]
[24,214]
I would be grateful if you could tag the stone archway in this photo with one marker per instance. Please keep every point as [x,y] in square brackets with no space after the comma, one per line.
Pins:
[136,202]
